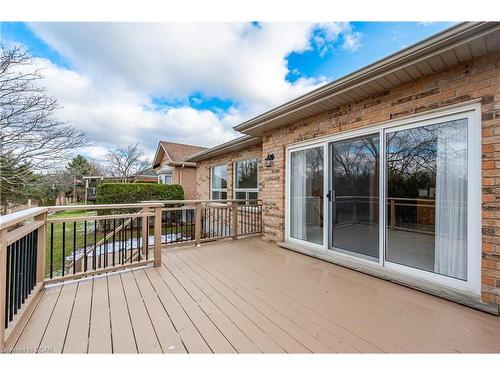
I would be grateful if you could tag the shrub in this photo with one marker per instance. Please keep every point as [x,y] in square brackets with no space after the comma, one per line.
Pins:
[113,193]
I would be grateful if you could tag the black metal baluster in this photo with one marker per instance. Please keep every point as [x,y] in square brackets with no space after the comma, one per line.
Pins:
[30,268]
[35,257]
[104,246]
[18,276]
[63,245]
[85,246]
[51,250]
[8,286]
[124,249]
[146,219]
[24,268]
[12,280]
[94,251]
[114,239]
[251,213]
[179,226]
[131,238]
[22,252]
[26,271]
[74,247]
[219,229]
[30,265]
[138,230]
[193,218]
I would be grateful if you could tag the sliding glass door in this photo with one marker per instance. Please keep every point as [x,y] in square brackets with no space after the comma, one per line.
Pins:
[406,196]
[355,196]
[426,226]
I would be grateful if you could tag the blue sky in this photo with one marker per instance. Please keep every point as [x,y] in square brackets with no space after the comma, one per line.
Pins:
[127,83]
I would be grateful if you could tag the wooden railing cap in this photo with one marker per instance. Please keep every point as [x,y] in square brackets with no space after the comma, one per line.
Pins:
[20,216]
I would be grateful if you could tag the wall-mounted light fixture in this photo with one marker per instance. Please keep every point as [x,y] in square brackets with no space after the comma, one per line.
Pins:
[269,160]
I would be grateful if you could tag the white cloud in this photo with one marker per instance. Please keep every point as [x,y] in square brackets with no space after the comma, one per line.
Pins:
[113,115]
[116,69]
[327,34]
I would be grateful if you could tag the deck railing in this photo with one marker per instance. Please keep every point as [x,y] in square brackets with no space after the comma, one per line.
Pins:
[197,221]
[45,245]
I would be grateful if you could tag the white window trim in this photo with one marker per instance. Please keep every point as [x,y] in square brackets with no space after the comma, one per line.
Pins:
[212,189]
[473,113]
[245,190]
[161,178]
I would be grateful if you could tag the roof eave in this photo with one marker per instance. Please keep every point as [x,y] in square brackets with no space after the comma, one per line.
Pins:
[450,37]
[233,145]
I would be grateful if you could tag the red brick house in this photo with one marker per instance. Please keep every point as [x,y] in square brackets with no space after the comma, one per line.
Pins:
[172,168]
[392,170]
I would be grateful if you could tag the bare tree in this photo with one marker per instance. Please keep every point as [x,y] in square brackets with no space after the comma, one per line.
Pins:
[126,161]
[32,138]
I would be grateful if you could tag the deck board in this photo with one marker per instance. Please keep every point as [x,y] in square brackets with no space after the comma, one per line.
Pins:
[217,342]
[260,325]
[32,335]
[121,327]
[77,337]
[191,337]
[168,337]
[144,332]
[57,327]
[295,326]
[100,324]
[229,329]
[249,296]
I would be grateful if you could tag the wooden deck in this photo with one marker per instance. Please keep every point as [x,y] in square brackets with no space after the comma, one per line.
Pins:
[249,296]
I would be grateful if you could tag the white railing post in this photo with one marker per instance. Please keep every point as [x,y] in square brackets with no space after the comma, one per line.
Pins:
[41,248]
[3,285]
[145,230]
[234,218]
[197,224]
[157,230]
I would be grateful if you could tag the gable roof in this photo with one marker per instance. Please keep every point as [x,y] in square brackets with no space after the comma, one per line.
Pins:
[452,46]
[177,153]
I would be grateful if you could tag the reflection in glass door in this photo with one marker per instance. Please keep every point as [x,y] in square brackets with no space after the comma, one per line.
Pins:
[427,198]
[355,196]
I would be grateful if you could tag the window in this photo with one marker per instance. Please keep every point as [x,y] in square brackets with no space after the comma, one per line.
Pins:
[165,179]
[246,179]
[218,181]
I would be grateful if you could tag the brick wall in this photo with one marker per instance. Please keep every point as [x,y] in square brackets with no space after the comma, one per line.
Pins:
[188,181]
[475,80]
[203,180]
[186,177]
[479,79]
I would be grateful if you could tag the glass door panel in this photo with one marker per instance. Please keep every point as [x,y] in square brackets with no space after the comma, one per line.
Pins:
[306,195]
[355,196]
[426,221]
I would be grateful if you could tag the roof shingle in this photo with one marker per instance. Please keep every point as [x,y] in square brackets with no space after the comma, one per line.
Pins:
[178,152]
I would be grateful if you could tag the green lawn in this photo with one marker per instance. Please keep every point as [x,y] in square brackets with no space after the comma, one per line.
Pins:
[58,238]
[70,226]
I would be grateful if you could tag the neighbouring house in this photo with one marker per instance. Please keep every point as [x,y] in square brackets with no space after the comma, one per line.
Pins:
[172,168]
[391,170]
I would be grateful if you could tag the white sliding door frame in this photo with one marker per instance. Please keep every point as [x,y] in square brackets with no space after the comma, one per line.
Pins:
[470,111]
